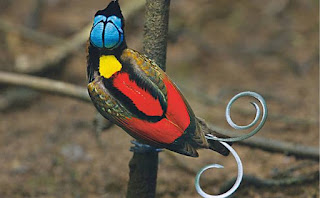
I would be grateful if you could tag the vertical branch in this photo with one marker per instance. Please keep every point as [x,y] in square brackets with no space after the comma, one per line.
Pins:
[143,175]
[144,166]
[156,31]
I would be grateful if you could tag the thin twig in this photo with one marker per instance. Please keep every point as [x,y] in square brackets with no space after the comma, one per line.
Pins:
[288,172]
[80,93]
[38,37]
[259,182]
[271,145]
[46,85]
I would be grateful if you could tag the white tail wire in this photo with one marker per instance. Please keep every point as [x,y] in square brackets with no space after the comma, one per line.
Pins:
[235,139]
[255,121]
[236,184]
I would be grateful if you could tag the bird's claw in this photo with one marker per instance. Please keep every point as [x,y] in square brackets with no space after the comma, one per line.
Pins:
[143,148]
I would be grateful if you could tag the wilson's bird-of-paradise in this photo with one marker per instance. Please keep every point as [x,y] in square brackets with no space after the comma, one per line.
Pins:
[133,92]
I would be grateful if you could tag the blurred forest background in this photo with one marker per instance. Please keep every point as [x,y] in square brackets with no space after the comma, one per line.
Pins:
[216,49]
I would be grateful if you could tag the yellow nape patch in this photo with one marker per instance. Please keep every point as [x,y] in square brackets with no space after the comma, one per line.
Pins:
[109,65]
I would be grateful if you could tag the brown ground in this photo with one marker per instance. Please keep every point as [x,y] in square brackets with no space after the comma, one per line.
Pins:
[216,49]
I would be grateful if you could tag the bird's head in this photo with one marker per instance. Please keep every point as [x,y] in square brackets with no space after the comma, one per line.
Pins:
[107,30]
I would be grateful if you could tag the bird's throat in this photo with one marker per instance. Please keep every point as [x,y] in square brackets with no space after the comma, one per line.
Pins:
[109,65]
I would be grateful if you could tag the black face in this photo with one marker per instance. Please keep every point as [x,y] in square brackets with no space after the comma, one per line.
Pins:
[107,31]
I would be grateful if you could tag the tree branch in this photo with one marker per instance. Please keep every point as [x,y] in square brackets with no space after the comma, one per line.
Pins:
[46,85]
[80,93]
[39,37]
[156,31]
[144,166]
[260,182]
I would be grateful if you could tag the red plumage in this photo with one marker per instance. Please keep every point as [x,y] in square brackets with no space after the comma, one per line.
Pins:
[174,122]
[143,100]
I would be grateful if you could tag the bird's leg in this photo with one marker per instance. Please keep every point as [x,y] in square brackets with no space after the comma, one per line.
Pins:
[143,148]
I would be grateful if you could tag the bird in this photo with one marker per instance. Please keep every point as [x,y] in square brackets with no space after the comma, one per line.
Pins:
[133,92]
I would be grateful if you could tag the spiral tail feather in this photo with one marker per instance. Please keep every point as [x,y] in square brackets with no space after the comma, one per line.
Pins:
[212,144]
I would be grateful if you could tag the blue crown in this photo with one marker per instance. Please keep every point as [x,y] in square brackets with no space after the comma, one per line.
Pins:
[107,30]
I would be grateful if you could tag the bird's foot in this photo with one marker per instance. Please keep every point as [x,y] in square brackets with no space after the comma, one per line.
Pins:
[143,148]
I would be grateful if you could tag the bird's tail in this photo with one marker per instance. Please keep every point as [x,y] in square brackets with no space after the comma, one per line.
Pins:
[218,147]
[213,144]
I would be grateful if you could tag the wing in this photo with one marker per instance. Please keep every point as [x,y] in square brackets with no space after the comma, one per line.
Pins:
[177,108]
[143,66]
[105,103]
[157,133]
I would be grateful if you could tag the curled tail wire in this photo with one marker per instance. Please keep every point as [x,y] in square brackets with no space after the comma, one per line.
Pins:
[236,184]
[255,121]
[216,142]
